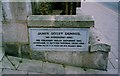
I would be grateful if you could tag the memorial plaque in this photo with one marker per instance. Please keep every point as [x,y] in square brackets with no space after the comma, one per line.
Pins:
[59,39]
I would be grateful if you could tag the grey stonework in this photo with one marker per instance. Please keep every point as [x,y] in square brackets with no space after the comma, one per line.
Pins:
[16,40]
[60,21]
[91,59]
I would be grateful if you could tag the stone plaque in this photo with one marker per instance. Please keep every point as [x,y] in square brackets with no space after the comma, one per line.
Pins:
[59,39]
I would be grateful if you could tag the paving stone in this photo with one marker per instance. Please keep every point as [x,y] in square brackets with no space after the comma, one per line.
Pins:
[31,66]
[15,60]
[93,71]
[114,50]
[110,66]
[9,71]
[74,70]
[114,62]
[112,71]
[34,73]
[6,63]
[111,55]
[51,68]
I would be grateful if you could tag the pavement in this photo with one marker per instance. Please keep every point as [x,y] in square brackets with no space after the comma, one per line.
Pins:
[106,23]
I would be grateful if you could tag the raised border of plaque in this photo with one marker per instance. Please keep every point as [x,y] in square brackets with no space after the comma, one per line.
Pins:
[59,39]
[59,33]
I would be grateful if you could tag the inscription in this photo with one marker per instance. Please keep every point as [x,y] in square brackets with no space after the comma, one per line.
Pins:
[59,38]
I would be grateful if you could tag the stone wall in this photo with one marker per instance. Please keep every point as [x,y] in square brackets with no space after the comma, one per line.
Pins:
[16,40]
[14,21]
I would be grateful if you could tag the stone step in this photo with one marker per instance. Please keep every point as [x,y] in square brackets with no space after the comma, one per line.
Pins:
[40,67]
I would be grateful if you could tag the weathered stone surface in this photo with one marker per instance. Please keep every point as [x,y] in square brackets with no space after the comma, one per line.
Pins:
[0,72]
[74,70]
[15,61]
[112,71]
[15,16]
[8,71]
[1,53]
[0,65]
[35,73]
[0,11]
[31,66]
[38,55]
[97,60]
[6,64]
[51,68]
[25,51]
[109,65]
[92,71]
[15,32]
[11,49]
[12,33]
[1,39]
[77,58]
[16,10]
[114,63]
[41,20]
[73,18]
[60,21]
[59,57]
[98,41]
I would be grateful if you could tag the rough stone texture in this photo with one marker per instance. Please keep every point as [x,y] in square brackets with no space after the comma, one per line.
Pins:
[1,53]
[14,61]
[0,72]
[112,71]
[73,70]
[70,58]
[51,68]
[60,21]
[92,71]
[1,34]
[11,49]
[35,73]
[15,32]
[114,62]
[16,10]
[59,57]
[31,66]
[6,64]
[96,60]
[0,39]
[14,21]
[8,71]
[98,42]
[25,51]
[37,55]
[0,65]
[93,59]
